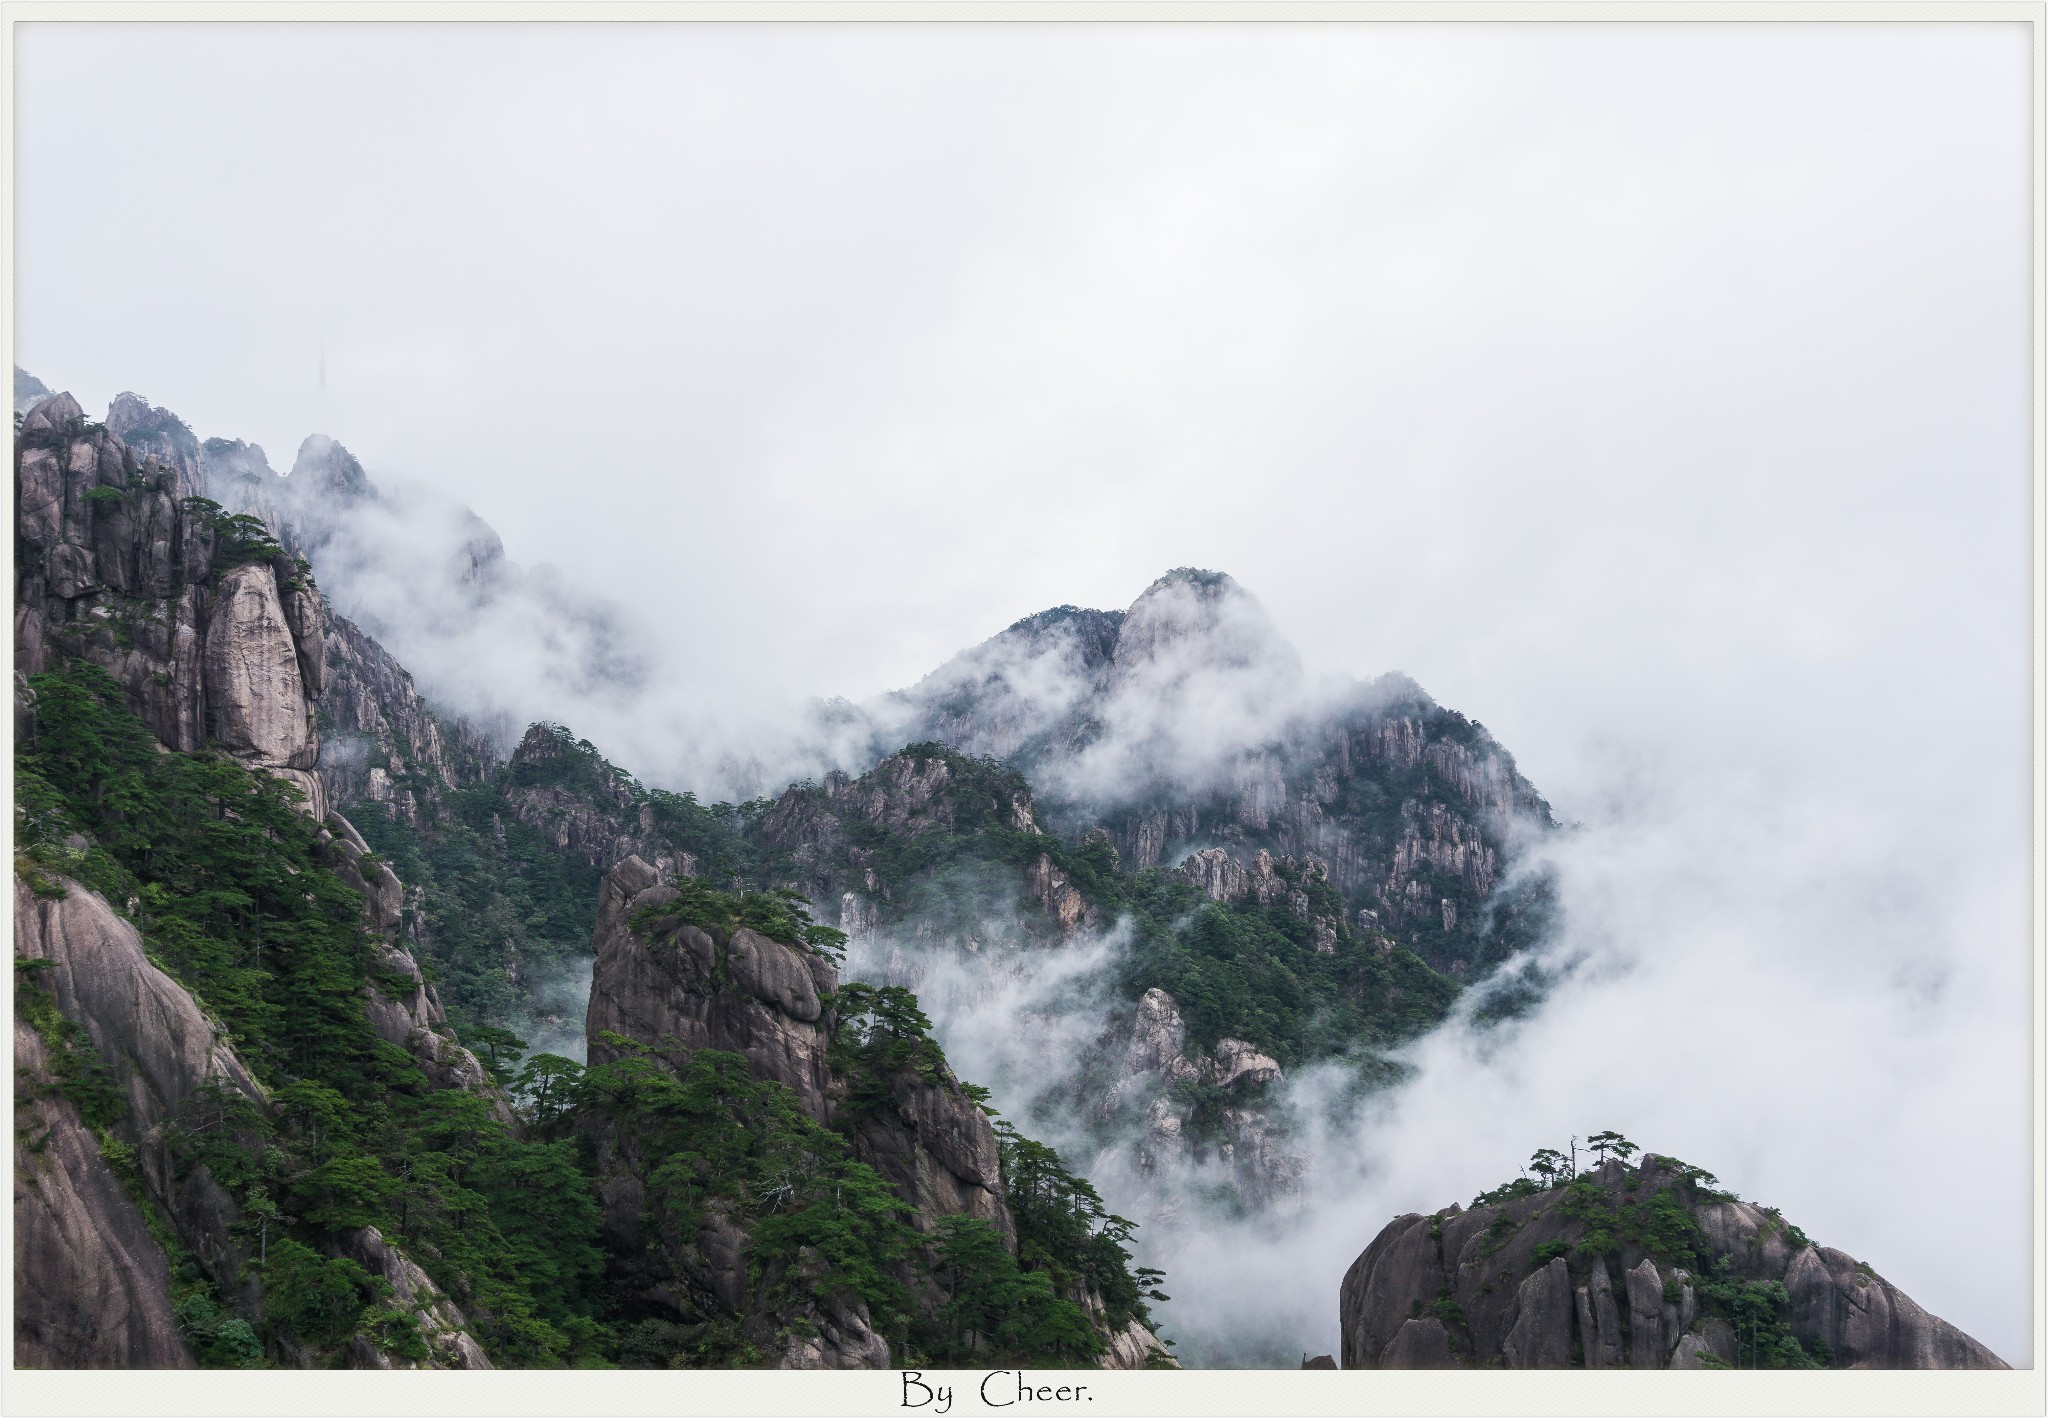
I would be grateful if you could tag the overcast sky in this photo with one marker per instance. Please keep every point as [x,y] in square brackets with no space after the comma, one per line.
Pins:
[1657,395]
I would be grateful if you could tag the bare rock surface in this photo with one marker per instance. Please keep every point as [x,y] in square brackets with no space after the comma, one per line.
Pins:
[91,1285]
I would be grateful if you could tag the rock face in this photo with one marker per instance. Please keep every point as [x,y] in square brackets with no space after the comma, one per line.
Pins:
[262,711]
[117,567]
[669,992]
[441,1323]
[91,1285]
[1506,1285]
[161,1049]
[686,988]
[380,742]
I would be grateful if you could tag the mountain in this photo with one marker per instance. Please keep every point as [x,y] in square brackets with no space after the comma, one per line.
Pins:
[952,877]
[1647,1266]
[1185,723]
[252,1135]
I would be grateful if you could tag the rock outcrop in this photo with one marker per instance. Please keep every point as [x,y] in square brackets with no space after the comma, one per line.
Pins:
[441,1323]
[1144,1060]
[159,434]
[676,987]
[208,638]
[1511,1284]
[590,810]
[671,991]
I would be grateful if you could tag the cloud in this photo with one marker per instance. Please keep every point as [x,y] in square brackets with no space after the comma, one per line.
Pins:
[1658,394]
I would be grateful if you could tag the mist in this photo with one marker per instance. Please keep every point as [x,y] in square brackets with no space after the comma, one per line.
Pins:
[1706,996]
[1658,395]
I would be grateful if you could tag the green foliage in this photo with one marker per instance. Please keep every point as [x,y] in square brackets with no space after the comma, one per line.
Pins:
[1604,1143]
[1245,971]
[313,1299]
[77,1072]
[499,903]
[1497,1234]
[1756,1311]
[1547,1252]
[241,538]
[1447,1309]
[1508,1191]
[548,1087]
[226,879]
[999,1313]
[1065,1231]
[498,1048]
[877,1033]
[218,1337]
[782,915]
[224,870]
[712,1137]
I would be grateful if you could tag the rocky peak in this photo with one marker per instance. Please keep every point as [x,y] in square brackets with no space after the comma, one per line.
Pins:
[326,469]
[53,419]
[1190,621]
[1580,1275]
[158,433]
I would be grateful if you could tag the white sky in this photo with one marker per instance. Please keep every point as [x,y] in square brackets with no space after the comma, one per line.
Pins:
[1657,395]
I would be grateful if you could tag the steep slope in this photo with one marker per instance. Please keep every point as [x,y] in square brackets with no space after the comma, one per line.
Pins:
[211,1045]
[1646,1267]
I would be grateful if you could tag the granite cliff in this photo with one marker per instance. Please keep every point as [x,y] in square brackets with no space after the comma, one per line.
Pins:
[206,638]
[213,631]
